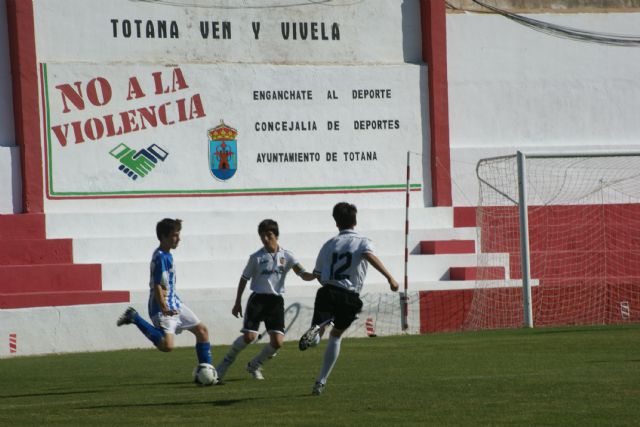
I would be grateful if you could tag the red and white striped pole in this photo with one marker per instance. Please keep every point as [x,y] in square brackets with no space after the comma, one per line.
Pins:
[13,343]
[371,329]
[404,296]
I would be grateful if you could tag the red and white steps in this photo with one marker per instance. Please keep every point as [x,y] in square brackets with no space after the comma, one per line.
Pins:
[39,272]
[85,260]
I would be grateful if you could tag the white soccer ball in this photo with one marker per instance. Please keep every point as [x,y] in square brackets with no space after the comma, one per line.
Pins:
[205,374]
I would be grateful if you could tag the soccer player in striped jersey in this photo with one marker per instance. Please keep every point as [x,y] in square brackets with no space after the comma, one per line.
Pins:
[169,315]
[341,267]
[266,269]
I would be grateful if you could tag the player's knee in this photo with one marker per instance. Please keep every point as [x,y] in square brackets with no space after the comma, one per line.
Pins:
[165,347]
[201,332]
[337,333]
[250,337]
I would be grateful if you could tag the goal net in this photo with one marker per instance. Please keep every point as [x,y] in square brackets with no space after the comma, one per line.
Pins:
[584,241]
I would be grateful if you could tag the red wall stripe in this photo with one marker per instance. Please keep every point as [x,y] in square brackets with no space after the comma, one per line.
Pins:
[434,53]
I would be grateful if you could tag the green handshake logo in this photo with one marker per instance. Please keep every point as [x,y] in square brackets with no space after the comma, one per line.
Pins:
[139,163]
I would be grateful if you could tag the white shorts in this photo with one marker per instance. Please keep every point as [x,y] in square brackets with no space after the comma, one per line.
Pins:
[185,320]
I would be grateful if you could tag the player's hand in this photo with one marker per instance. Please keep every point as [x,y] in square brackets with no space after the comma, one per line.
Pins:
[237,310]
[393,285]
[168,312]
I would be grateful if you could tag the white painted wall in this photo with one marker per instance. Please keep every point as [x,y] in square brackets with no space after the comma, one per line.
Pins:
[84,328]
[301,127]
[10,179]
[7,136]
[343,59]
[512,88]
[373,32]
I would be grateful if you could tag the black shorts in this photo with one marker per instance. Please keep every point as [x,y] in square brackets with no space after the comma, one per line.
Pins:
[267,308]
[342,305]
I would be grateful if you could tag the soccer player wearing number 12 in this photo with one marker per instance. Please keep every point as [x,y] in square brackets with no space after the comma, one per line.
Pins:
[341,267]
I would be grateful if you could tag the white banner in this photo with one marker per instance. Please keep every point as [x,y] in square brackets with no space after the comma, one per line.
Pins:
[130,130]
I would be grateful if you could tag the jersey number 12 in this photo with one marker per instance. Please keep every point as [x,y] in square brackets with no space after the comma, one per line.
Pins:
[344,259]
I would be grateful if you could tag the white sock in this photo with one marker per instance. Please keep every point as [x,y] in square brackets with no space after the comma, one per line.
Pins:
[315,342]
[264,355]
[330,358]
[238,345]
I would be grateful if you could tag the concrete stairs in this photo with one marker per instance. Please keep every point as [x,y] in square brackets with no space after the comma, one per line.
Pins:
[38,272]
[462,239]
[99,257]
[215,245]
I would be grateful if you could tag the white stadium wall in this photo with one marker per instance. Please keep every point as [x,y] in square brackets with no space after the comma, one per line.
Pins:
[513,88]
[320,99]
[319,104]
[7,137]
[10,181]
[128,96]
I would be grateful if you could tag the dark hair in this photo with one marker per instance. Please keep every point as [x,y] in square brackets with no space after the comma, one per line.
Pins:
[268,225]
[168,226]
[345,215]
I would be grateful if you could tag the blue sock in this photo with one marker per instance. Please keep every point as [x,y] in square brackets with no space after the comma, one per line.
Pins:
[203,350]
[154,334]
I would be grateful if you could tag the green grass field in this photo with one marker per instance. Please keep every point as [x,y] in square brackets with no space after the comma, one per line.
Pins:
[564,377]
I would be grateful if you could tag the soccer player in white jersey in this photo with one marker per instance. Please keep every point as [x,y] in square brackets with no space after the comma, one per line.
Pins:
[168,314]
[341,267]
[266,269]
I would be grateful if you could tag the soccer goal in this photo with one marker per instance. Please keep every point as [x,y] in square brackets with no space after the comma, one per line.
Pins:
[568,227]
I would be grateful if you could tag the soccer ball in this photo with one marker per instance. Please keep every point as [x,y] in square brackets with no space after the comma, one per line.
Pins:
[205,374]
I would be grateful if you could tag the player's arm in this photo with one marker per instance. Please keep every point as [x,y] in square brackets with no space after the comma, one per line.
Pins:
[378,265]
[304,274]
[317,270]
[160,294]
[237,307]
[247,274]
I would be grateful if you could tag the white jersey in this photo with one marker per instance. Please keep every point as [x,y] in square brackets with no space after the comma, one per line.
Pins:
[340,261]
[267,271]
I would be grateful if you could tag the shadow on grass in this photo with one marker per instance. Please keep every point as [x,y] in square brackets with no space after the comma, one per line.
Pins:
[220,402]
[51,393]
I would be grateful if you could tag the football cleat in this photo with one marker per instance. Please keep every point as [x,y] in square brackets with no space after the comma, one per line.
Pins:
[255,371]
[308,338]
[127,316]
[318,388]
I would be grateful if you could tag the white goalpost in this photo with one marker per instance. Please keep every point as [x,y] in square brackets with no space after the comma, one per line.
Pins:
[568,226]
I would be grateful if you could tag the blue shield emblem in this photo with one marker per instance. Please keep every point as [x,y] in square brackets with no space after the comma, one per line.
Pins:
[223,151]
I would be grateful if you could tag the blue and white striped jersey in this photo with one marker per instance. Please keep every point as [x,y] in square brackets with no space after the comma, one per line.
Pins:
[340,261]
[163,272]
